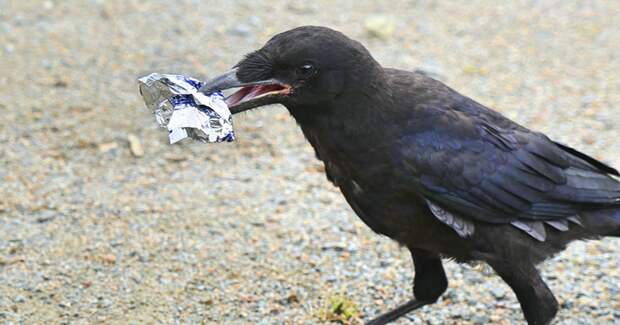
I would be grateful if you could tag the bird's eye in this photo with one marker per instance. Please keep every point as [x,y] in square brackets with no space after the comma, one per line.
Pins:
[306,70]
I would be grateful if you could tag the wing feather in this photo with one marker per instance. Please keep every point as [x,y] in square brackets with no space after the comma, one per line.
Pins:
[504,173]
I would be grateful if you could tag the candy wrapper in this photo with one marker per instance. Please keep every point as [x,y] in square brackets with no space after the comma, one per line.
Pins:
[186,112]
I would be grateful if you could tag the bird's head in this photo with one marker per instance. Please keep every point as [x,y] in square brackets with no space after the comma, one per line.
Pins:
[303,67]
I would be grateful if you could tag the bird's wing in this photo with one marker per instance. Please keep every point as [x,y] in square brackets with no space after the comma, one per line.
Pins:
[483,167]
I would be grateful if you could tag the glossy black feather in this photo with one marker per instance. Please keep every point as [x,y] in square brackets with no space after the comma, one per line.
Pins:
[512,173]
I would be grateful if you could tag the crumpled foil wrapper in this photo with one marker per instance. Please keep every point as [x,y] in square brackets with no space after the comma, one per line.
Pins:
[186,112]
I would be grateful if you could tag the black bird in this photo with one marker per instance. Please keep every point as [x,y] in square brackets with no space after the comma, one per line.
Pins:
[430,168]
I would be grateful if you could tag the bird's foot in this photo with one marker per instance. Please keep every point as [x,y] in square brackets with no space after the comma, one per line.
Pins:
[398,312]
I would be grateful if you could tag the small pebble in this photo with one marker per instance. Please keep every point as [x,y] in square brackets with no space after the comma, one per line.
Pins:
[382,27]
[240,30]
[108,258]
[135,145]
[105,147]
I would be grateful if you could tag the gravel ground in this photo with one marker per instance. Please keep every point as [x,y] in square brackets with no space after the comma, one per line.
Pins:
[251,232]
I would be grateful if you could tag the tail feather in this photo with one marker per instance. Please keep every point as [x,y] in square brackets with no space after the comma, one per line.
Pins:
[603,222]
[615,216]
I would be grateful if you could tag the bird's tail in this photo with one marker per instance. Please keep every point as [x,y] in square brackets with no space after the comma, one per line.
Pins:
[603,222]
[616,218]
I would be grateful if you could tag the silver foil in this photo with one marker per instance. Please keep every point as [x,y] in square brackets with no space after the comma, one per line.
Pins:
[184,111]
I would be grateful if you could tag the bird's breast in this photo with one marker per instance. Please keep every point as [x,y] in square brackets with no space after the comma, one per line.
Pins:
[351,147]
[360,162]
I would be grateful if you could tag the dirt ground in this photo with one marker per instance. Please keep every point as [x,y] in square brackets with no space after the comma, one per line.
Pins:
[250,232]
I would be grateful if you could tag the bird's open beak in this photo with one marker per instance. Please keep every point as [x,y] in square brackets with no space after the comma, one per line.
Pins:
[252,94]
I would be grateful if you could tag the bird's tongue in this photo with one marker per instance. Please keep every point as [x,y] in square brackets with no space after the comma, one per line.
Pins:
[249,92]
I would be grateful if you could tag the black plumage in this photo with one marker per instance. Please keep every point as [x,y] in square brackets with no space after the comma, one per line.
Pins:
[436,171]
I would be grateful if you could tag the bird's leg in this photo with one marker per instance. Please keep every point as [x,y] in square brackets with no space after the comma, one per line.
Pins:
[429,283]
[537,301]
[398,312]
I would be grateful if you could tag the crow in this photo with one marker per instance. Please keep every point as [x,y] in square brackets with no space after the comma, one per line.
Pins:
[432,169]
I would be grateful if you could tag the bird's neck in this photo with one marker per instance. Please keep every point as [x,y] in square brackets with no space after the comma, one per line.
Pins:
[349,125]
[367,99]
